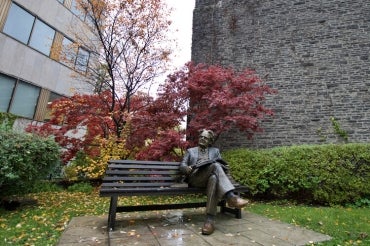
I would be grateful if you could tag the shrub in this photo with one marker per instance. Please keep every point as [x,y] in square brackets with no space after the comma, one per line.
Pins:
[73,171]
[109,149]
[24,159]
[6,120]
[321,174]
[86,167]
[45,186]
[80,187]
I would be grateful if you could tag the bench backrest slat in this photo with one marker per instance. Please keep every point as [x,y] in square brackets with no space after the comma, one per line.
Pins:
[160,163]
[141,174]
[141,178]
[152,167]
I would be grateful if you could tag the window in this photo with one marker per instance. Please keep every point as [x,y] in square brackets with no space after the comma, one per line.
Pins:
[18,97]
[53,96]
[6,91]
[77,10]
[68,55]
[42,37]
[24,100]
[82,60]
[19,23]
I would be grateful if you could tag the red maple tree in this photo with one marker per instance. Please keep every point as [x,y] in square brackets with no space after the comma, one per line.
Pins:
[222,98]
[211,97]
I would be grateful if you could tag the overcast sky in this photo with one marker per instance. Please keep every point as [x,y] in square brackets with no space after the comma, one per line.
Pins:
[182,18]
[181,31]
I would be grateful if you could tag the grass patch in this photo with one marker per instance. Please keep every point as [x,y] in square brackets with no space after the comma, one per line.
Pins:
[346,225]
[42,224]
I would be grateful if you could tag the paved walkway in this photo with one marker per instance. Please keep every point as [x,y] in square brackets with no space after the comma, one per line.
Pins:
[183,227]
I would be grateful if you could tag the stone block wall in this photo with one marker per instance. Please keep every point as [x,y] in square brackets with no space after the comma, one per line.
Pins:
[315,53]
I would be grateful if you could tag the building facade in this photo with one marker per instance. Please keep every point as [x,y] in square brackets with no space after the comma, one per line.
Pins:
[315,53]
[34,36]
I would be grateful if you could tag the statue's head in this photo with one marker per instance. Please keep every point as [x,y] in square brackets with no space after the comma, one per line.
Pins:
[206,138]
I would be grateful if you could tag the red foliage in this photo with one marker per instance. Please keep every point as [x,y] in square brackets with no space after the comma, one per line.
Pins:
[165,113]
[77,121]
[219,98]
[222,98]
[168,146]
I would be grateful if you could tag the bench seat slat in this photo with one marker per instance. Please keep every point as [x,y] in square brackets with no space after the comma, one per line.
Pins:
[144,190]
[153,191]
[137,185]
[150,191]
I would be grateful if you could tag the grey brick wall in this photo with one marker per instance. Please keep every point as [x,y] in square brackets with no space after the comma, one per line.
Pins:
[315,53]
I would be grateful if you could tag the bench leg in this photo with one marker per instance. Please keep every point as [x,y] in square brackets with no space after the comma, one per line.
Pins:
[238,213]
[112,213]
[223,206]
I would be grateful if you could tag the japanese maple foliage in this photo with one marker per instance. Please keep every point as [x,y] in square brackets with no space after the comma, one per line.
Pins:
[167,146]
[77,121]
[159,122]
[222,98]
[69,121]
[211,97]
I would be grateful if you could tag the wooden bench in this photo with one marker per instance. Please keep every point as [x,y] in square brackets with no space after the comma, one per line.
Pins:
[151,178]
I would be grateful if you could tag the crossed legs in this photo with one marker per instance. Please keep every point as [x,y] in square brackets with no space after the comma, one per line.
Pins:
[217,185]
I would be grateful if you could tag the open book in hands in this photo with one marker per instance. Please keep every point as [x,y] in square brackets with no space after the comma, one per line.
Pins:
[224,164]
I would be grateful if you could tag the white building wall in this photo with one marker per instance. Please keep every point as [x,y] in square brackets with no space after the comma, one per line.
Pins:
[23,62]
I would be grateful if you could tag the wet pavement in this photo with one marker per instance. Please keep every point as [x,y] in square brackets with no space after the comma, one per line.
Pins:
[183,227]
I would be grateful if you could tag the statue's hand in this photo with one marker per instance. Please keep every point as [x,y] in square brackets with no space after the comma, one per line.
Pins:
[188,170]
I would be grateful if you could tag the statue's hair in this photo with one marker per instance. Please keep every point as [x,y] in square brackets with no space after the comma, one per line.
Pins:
[210,133]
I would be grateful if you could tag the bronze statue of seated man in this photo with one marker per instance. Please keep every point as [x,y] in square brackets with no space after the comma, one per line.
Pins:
[205,168]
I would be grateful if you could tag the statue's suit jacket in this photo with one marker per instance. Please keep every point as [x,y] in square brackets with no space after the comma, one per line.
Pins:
[191,156]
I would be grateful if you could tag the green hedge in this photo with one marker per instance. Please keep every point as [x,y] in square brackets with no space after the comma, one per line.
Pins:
[318,174]
[24,159]
[6,120]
